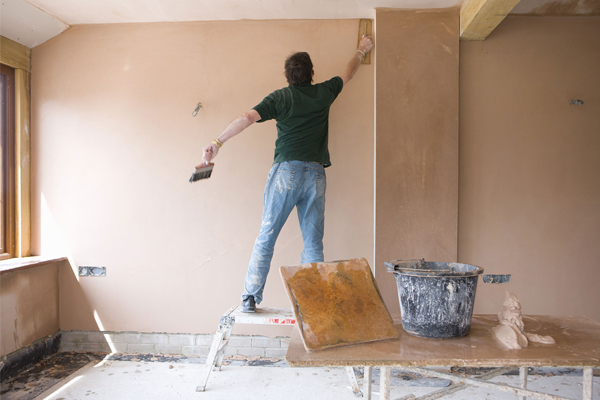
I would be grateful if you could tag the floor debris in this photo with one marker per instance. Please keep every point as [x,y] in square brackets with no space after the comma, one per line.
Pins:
[36,379]
[79,375]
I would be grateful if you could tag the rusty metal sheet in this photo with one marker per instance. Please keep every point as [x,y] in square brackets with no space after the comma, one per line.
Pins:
[337,304]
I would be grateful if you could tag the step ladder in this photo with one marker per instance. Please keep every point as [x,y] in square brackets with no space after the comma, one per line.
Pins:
[262,316]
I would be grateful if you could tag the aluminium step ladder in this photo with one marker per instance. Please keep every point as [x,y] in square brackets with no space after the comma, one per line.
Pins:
[262,316]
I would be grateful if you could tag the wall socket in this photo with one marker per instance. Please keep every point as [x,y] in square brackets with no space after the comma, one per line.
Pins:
[92,271]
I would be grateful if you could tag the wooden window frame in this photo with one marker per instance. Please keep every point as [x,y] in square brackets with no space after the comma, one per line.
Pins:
[18,57]
[7,224]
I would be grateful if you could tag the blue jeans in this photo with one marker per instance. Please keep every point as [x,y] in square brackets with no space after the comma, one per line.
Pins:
[292,183]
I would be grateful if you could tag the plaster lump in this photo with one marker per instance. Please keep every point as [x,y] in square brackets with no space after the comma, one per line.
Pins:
[510,332]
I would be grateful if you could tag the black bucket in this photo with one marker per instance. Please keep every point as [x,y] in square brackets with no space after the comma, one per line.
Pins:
[436,298]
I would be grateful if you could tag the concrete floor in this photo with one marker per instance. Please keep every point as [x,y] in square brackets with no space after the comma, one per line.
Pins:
[150,378]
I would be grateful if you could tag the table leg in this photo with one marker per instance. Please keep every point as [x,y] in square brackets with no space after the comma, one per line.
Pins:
[484,384]
[353,382]
[385,382]
[588,373]
[367,382]
[457,387]
[523,377]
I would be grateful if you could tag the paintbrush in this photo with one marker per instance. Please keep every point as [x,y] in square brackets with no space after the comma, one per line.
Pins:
[202,172]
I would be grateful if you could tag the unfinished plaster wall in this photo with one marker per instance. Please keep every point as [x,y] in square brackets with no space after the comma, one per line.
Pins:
[28,306]
[114,143]
[417,139]
[530,165]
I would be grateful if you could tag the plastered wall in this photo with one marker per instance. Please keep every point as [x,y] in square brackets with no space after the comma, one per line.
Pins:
[114,143]
[417,139]
[529,163]
[29,306]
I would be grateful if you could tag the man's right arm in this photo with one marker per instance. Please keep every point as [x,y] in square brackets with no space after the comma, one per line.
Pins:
[365,45]
[235,127]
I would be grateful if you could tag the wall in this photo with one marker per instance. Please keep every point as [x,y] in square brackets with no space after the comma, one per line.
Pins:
[417,140]
[529,188]
[28,306]
[114,144]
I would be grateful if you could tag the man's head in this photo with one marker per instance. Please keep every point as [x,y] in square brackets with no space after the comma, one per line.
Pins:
[299,69]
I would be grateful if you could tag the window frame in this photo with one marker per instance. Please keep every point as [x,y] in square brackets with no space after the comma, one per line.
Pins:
[8,221]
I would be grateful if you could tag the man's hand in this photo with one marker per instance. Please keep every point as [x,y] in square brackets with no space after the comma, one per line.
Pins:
[366,44]
[208,153]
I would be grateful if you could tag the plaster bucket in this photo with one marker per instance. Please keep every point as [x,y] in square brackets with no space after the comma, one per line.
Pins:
[436,298]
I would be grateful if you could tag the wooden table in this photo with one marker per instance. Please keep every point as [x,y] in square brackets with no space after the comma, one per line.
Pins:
[577,345]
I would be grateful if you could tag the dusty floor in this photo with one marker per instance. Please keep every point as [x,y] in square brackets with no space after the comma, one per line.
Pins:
[81,376]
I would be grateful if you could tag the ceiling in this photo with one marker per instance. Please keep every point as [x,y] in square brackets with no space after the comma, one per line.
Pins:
[75,12]
[33,22]
[558,7]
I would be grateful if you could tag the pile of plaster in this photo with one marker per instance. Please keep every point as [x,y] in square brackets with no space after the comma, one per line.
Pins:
[511,332]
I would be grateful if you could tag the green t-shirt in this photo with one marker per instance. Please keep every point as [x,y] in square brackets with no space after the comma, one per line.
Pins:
[302,115]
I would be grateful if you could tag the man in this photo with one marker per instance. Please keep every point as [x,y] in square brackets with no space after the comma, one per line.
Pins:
[297,178]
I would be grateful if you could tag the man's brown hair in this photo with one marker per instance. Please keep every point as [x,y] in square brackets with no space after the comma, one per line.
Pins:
[299,69]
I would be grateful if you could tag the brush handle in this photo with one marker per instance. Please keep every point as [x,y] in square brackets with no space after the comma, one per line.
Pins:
[204,165]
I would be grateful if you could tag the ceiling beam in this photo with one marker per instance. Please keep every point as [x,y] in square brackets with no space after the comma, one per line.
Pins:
[478,18]
[14,55]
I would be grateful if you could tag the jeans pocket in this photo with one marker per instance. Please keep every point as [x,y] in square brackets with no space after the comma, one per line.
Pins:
[284,180]
[321,183]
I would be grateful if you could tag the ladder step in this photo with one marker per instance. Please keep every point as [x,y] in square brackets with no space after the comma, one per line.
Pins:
[262,316]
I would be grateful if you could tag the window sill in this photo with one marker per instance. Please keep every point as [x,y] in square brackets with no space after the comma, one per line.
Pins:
[14,264]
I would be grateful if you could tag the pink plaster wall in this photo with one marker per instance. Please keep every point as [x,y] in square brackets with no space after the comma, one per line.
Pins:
[417,139]
[529,198]
[114,144]
[29,305]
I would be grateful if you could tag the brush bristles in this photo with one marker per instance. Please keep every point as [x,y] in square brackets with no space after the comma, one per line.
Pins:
[201,173]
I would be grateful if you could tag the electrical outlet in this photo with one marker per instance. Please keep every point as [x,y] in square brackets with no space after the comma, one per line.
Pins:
[92,271]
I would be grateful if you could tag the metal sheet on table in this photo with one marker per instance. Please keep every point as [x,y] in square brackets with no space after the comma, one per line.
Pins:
[337,304]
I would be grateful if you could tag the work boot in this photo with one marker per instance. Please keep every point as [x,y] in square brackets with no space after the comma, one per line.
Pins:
[249,305]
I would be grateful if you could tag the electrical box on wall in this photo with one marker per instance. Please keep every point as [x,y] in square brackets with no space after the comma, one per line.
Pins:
[92,271]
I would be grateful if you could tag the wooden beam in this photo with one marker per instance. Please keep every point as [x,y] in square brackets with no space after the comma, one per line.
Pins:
[14,55]
[478,18]
[22,164]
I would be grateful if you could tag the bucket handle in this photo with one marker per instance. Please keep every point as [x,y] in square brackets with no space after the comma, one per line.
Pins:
[495,279]
[434,271]
[395,265]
